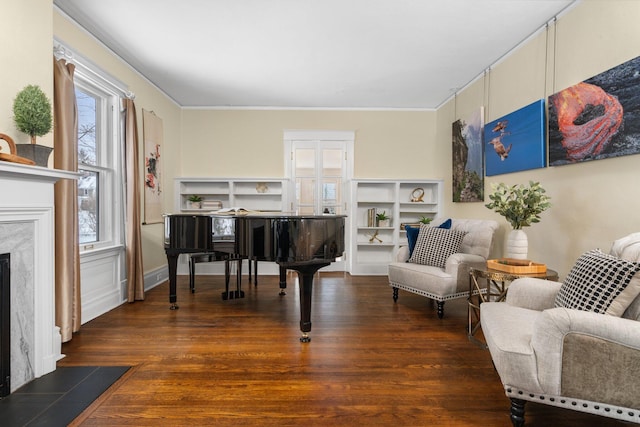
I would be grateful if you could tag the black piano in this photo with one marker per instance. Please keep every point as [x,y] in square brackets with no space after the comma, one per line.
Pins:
[304,243]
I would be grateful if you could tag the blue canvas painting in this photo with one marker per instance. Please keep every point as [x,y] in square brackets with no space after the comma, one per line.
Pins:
[516,142]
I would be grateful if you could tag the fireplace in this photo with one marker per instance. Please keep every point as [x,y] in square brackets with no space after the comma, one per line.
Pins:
[27,233]
[5,325]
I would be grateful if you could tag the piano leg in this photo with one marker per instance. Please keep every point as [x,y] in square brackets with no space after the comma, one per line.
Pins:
[283,280]
[305,273]
[172,261]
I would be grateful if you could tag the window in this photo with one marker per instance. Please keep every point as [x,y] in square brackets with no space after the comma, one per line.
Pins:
[99,142]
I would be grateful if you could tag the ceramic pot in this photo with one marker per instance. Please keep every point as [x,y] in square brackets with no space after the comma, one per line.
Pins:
[384,223]
[517,244]
[36,152]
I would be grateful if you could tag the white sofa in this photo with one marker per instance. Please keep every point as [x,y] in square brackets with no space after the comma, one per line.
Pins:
[566,357]
[452,281]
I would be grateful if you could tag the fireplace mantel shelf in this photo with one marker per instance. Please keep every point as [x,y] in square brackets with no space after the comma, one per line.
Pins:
[38,173]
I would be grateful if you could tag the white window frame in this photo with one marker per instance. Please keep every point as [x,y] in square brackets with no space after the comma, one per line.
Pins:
[109,163]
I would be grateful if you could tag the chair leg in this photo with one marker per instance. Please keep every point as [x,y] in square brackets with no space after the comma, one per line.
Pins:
[517,412]
[395,294]
[192,275]
[440,309]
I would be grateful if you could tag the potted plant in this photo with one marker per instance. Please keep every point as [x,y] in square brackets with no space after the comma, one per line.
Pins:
[425,220]
[195,201]
[383,219]
[32,115]
[521,206]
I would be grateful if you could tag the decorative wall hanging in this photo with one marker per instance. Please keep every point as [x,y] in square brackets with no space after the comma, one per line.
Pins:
[597,118]
[153,137]
[516,142]
[468,156]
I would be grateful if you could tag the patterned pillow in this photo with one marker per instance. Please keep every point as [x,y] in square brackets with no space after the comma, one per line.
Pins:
[595,281]
[435,245]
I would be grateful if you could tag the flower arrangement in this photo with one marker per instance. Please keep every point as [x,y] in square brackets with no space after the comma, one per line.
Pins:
[519,204]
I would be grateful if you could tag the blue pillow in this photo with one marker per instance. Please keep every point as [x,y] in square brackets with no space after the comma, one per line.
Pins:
[412,237]
[446,224]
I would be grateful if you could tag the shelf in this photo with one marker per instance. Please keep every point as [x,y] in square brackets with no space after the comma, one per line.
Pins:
[393,197]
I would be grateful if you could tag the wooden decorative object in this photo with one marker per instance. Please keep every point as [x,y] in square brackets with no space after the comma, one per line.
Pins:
[516,266]
[13,157]
[417,195]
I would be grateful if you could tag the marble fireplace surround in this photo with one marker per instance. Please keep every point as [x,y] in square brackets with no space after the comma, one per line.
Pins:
[27,233]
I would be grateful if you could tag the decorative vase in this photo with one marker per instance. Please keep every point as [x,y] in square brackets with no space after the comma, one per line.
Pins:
[517,244]
[36,152]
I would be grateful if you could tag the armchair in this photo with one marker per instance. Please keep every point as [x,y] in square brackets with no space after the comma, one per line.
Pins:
[449,280]
[552,354]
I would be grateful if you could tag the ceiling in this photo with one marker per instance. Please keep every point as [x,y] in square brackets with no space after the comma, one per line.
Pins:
[343,54]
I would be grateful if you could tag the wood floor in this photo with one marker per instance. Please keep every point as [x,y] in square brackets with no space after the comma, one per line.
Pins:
[370,362]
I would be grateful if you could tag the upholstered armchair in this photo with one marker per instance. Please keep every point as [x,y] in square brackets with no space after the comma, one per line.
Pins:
[437,267]
[575,344]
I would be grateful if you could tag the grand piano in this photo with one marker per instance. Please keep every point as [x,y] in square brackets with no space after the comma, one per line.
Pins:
[304,243]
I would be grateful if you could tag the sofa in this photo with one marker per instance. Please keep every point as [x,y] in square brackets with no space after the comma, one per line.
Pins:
[443,273]
[574,344]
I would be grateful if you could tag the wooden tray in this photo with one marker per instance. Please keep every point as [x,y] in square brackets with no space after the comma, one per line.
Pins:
[516,266]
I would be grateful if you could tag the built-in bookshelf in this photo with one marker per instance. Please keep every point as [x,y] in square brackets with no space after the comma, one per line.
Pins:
[374,245]
[259,194]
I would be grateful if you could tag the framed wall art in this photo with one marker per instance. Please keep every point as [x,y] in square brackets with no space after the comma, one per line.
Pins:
[153,137]
[516,142]
[597,118]
[468,158]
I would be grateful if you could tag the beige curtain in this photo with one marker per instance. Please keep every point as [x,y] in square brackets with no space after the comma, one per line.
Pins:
[67,259]
[135,274]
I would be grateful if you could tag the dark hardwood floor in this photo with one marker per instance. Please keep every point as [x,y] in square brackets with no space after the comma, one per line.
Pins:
[371,362]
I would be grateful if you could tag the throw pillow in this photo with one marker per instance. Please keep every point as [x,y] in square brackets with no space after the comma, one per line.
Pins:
[412,237]
[446,224]
[435,245]
[595,281]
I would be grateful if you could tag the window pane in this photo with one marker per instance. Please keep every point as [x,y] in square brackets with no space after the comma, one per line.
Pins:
[88,221]
[87,122]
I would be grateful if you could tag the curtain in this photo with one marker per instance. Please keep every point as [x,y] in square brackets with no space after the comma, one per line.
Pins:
[135,275]
[67,251]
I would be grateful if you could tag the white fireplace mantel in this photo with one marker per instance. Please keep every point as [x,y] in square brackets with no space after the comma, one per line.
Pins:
[27,222]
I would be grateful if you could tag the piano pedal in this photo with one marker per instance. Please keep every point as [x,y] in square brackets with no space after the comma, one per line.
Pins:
[232,295]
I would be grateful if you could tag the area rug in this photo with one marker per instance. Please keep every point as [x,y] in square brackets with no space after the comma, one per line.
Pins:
[56,399]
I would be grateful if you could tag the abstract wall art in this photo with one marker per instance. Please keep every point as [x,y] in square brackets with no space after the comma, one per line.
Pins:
[468,158]
[516,142]
[597,118]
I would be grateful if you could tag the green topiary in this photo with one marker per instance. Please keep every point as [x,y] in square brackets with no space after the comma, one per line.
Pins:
[32,112]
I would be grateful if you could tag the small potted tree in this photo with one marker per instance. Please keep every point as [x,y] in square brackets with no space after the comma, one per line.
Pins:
[32,115]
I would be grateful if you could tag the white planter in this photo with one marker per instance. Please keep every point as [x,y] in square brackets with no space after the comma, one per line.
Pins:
[195,205]
[384,223]
[517,244]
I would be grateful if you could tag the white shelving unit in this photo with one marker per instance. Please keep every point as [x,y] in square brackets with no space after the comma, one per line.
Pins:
[261,194]
[373,247]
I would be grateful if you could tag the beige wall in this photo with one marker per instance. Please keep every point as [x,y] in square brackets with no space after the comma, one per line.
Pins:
[593,202]
[249,143]
[26,58]
[148,97]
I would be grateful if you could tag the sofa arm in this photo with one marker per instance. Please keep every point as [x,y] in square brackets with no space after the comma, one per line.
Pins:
[403,254]
[563,336]
[457,266]
[533,293]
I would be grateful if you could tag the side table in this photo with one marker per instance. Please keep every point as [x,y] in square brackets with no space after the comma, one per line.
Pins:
[495,287]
